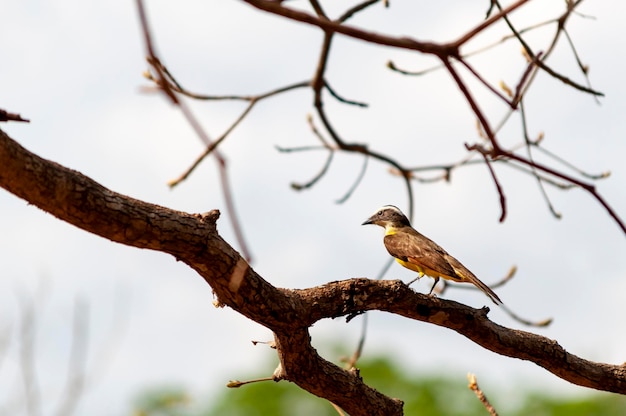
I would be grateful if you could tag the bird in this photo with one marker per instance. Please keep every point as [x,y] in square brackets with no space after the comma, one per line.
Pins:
[419,253]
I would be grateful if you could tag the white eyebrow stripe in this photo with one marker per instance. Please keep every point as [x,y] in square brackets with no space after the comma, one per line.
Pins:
[391,208]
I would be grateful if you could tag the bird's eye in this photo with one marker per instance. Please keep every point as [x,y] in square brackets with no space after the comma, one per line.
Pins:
[379,213]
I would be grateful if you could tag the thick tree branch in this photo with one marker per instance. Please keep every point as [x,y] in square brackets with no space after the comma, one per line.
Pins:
[357,295]
[302,365]
[193,239]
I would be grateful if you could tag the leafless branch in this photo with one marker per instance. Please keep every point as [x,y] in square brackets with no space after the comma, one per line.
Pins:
[75,383]
[194,240]
[6,116]
[447,52]
[496,182]
[473,386]
[162,82]
[28,329]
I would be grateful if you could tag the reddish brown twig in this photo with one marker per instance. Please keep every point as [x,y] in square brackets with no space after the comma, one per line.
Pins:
[163,83]
[6,116]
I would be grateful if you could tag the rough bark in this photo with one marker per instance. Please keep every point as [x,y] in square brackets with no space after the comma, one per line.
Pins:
[194,240]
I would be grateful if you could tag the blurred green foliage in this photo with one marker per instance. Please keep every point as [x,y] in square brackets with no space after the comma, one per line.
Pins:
[423,395]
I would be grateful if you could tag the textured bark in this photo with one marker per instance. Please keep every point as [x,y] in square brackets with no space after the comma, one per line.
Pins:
[193,239]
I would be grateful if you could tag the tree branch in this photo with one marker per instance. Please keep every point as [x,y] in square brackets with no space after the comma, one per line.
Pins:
[394,296]
[351,31]
[193,239]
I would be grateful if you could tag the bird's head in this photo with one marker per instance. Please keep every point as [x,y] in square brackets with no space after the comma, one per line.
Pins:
[388,216]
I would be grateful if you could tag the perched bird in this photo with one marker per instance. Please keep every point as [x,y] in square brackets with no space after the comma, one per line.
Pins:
[419,253]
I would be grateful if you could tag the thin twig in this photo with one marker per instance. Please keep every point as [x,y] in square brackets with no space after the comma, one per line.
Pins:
[356,182]
[473,386]
[318,8]
[356,9]
[166,87]
[347,30]
[391,65]
[529,144]
[541,62]
[495,180]
[257,97]
[5,338]
[211,147]
[488,22]
[317,83]
[511,273]
[6,116]
[75,383]
[329,158]
[299,148]
[28,328]
[361,343]
[341,99]
[316,178]
[596,176]
[485,83]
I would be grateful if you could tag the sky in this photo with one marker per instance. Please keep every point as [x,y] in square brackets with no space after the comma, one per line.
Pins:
[75,70]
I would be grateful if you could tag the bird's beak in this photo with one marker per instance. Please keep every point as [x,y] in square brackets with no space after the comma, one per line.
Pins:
[369,221]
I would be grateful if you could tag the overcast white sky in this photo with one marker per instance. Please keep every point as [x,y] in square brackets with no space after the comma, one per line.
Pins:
[74,68]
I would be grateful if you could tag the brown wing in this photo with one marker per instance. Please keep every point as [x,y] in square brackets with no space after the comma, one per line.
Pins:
[413,247]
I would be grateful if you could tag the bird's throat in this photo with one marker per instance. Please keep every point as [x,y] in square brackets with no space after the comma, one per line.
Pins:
[390,230]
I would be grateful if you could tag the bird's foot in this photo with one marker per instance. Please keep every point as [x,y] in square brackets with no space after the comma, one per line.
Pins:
[414,280]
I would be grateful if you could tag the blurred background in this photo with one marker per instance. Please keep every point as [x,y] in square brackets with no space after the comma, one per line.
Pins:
[137,323]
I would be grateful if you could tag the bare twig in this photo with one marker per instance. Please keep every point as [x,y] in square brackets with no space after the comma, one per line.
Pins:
[356,9]
[337,27]
[252,100]
[316,178]
[473,386]
[488,22]
[511,273]
[299,148]
[498,151]
[211,147]
[341,99]
[317,84]
[485,83]
[5,340]
[338,409]
[391,65]
[444,51]
[75,383]
[592,176]
[529,145]
[162,82]
[6,116]
[541,62]
[28,329]
[195,241]
[591,189]
[356,182]
[235,384]
[498,187]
